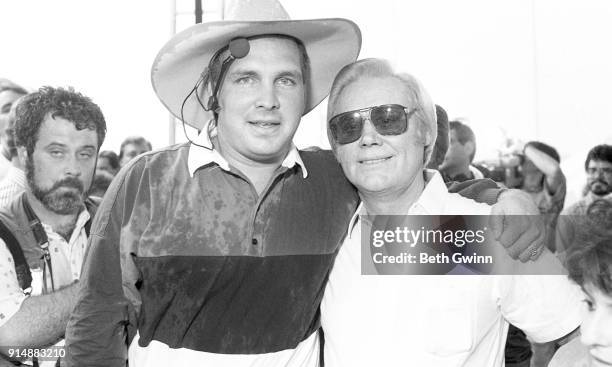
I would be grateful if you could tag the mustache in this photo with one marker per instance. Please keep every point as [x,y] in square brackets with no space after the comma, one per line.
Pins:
[68,182]
[599,181]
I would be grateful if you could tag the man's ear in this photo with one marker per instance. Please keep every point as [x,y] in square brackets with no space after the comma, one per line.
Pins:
[470,147]
[429,139]
[22,154]
[424,135]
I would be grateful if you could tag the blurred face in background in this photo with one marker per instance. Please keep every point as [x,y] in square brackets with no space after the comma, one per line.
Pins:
[458,155]
[105,165]
[533,178]
[131,151]
[599,177]
[7,98]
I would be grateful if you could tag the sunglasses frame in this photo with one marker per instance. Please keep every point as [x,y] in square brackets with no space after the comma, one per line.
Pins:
[362,111]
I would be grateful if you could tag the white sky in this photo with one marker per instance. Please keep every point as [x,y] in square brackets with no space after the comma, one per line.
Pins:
[536,69]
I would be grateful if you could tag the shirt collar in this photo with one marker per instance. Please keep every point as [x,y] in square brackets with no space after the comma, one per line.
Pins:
[79,225]
[431,200]
[202,153]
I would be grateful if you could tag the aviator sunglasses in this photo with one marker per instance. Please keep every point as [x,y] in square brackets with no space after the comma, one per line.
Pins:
[388,119]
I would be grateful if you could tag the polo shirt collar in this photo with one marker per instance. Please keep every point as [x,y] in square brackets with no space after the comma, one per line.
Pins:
[204,153]
[431,200]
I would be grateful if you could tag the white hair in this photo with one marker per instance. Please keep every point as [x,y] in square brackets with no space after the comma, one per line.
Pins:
[380,68]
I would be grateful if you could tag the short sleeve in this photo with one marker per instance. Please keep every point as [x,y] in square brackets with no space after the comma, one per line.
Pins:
[11,294]
[545,307]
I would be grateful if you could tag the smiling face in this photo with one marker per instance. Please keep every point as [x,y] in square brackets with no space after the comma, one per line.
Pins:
[380,163]
[262,101]
[596,328]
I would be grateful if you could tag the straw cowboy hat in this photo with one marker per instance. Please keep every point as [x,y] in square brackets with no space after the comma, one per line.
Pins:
[330,44]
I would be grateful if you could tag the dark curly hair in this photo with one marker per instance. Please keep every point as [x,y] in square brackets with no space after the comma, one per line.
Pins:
[589,260]
[34,108]
[601,152]
[112,157]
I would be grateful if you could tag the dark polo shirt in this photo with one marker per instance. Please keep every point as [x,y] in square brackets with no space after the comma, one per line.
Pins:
[199,260]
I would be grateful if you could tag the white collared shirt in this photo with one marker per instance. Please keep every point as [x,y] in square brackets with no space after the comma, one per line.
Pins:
[436,321]
[66,260]
[203,152]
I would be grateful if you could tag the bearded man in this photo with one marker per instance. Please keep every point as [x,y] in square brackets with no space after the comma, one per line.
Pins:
[43,231]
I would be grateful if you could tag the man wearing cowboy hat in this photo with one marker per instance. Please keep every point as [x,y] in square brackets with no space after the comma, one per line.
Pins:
[217,252]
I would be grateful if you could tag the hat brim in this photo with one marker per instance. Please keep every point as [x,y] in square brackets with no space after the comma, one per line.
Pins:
[330,44]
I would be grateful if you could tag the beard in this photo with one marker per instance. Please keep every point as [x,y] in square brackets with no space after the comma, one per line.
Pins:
[64,197]
[600,187]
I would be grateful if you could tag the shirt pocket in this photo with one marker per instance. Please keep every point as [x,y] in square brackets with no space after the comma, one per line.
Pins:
[450,318]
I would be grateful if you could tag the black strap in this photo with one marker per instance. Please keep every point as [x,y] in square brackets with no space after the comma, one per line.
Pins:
[40,235]
[22,269]
[321,347]
[91,204]
[21,266]
[38,230]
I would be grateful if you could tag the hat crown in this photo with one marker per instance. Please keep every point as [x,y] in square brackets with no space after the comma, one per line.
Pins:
[254,10]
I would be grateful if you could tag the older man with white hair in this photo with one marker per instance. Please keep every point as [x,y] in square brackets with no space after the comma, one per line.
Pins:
[382,129]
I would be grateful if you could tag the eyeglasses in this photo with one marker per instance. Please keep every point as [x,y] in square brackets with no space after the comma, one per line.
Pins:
[388,119]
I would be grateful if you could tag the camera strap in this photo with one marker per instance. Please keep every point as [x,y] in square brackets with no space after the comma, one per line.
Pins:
[41,240]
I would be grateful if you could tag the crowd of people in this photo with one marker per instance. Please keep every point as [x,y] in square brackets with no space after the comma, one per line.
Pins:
[238,249]
[536,170]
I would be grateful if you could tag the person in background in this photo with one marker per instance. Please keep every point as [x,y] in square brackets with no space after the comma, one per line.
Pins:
[133,147]
[101,182]
[108,161]
[590,266]
[598,167]
[58,133]
[14,182]
[442,140]
[543,179]
[9,93]
[457,164]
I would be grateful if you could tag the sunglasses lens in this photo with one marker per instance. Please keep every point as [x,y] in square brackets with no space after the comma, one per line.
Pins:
[389,120]
[346,128]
